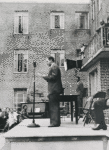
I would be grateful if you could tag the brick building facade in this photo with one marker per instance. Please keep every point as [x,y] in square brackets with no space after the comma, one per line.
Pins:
[31,32]
[96,61]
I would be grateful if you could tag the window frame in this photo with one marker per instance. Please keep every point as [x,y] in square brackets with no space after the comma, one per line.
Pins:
[17,91]
[61,20]
[86,18]
[18,52]
[24,22]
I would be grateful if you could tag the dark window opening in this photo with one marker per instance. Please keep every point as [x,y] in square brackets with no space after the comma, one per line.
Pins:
[57,19]
[20,61]
[82,22]
[20,25]
[78,52]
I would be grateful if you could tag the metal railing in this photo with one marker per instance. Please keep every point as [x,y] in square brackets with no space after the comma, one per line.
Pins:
[98,41]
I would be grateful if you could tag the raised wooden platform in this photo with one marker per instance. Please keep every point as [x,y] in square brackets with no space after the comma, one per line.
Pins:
[67,136]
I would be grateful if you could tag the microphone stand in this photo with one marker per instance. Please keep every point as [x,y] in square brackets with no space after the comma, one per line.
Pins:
[33,124]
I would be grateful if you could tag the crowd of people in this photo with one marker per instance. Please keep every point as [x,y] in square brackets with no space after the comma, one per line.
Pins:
[10,117]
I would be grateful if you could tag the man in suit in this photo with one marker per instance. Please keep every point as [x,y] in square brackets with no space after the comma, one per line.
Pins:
[54,90]
[79,90]
[99,106]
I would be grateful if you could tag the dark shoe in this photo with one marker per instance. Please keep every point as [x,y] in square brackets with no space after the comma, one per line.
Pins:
[97,128]
[100,127]
[104,127]
[54,126]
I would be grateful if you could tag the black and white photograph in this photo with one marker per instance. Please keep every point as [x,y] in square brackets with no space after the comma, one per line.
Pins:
[54,74]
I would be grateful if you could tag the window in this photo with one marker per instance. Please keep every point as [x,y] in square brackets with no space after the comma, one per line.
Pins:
[59,57]
[100,3]
[20,95]
[21,22]
[106,36]
[57,20]
[81,20]
[57,23]
[21,61]
[93,76]
[93,10]
[78,52]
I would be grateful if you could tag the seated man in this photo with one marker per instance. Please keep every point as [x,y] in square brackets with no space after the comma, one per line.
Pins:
[99,106]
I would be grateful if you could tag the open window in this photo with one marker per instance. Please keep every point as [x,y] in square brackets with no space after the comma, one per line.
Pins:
[20,61]
[21,22]
[82,20]
[57,20]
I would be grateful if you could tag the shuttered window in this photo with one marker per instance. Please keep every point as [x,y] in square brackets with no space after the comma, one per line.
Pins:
[21,22]
[57,20]
[20,60]
[81,20]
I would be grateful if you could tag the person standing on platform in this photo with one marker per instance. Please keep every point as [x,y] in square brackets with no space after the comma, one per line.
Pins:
[54,90]
[79,90]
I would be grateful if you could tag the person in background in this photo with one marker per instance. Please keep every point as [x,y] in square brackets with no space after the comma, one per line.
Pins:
[79,90]
[24,113]
[1,119]
[11,122]
[7,110]
[54,90]
[16,115]
[99,106]
[4,113]
[0,112]
[12,118]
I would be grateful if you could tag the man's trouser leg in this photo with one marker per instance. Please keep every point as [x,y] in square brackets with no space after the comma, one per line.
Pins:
[79,99]
[54,109]
[99,115]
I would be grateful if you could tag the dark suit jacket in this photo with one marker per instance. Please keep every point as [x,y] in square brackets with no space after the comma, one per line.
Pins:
[4,114]
[80,89]
[54,80]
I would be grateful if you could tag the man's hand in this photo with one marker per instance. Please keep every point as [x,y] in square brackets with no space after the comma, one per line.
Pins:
[41,75]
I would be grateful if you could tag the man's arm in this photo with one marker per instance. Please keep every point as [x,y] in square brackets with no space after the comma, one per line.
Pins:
[53,75]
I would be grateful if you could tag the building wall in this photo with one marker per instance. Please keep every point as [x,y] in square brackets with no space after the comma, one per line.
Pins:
[104,63]
[102,67]
[99,14]
[39,43]
[96,42]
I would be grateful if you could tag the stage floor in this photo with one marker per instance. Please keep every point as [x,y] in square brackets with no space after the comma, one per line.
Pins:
[67,132]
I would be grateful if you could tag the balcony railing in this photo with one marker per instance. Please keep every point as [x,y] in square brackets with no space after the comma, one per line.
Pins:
[99,40]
